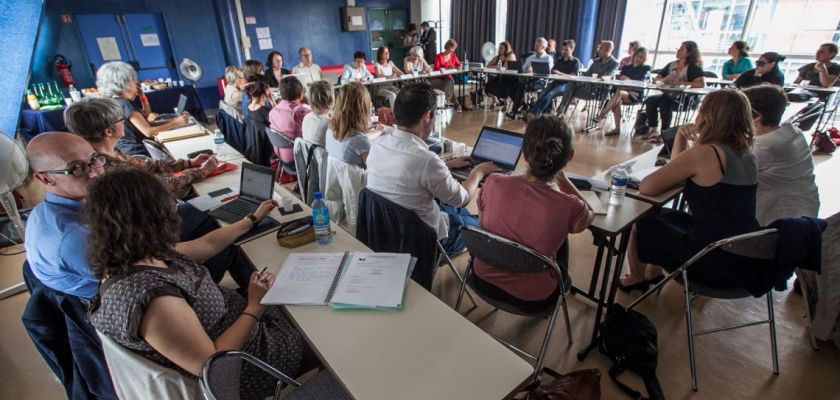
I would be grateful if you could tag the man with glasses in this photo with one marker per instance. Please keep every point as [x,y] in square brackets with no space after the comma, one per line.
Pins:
[310,71]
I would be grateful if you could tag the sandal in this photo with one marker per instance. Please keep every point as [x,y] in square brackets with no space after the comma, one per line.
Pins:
[656,139]
[614,132]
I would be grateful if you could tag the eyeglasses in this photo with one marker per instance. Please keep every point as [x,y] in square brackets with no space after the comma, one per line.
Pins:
[760,63]
[118,121]
[81,169]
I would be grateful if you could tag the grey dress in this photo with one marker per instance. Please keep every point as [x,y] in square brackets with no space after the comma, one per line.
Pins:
[122,300]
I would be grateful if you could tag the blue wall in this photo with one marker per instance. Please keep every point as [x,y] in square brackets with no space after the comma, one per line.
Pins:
[586,32]
[18,25]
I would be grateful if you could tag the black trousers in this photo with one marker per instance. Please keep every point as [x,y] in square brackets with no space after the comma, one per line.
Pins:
[663,106]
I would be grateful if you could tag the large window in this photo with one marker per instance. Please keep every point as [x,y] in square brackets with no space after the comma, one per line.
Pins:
[794,28]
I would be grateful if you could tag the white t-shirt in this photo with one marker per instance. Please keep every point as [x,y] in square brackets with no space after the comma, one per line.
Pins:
[786,186]
[314,128]
[385,70]
[310,74]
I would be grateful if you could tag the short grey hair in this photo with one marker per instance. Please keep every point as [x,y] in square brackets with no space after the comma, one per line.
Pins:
[416,51]
[542,41]
[231,73]
[114,78]
[91,116]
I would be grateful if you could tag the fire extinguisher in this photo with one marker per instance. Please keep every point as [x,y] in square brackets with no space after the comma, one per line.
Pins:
[63,67]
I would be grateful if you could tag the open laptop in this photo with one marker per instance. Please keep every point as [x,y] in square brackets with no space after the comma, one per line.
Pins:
[179,109]
[500,146]
[540,68]
[514,66]
[256,185]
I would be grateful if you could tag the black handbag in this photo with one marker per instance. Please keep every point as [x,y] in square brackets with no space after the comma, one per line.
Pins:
[640,127]
[630,340]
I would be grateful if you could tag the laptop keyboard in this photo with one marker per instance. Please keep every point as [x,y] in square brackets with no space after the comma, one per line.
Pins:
[241,207]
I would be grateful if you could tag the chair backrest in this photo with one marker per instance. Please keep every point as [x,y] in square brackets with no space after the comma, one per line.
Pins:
[344,183]
[278,139]
[158,152]
[506,254]
[759,245]
[136,377]
[311,168]
[710,74]
[221,372]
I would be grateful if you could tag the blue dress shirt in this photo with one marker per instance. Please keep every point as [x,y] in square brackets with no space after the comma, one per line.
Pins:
[56,248]
[545,57]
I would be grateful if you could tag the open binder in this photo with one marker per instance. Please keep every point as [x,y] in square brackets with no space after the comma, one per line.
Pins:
[343,280]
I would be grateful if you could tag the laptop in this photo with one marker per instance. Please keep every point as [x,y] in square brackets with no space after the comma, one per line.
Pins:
[540,68]
[500,146]
[179,109]
[255,186]
[515,66]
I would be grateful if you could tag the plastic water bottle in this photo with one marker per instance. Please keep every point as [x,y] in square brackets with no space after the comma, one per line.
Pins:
[647,78]
[321,220]
[466,65]
[618,186]
[219,140]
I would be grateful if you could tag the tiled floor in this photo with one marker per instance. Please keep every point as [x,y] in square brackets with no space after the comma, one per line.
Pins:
[732,365]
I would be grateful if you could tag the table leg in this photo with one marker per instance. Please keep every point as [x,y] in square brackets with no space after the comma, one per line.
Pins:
[603,295]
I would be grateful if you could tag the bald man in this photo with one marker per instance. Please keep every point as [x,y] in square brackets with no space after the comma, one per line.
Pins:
[603,65]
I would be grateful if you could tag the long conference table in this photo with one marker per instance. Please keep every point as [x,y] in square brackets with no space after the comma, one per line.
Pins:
[425,351]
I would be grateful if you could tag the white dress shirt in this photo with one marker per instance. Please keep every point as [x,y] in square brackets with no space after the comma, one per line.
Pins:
[403,170]
[310,74]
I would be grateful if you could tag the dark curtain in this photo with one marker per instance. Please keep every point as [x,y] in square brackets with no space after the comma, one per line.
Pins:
[610,24]
[530,19]
[473,24]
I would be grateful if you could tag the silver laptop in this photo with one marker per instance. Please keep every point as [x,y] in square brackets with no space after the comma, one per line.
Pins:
[255,186]
[502,147]
[179,109]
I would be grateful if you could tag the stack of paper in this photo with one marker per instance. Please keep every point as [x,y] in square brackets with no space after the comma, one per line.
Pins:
[180,133]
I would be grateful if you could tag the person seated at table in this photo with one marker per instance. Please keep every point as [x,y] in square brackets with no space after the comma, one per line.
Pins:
[232,103]
[786,182]
[823,72]
[501,87]
[565,65]
[118,80]
[522,84]
[720,176]
[538,209]
[316,123]
[250,70]
[551,49]
[412,38]
[766,71]
[415,63]
[603,66]
[631,52]
[637,70]
[401,168]
[100,121]
[346,140]
[274,67]
[385,68]
[357,71]
[157,300]
[740,61]
[257,146]
[686,70]
[287,116]
[447,59]
[309,71]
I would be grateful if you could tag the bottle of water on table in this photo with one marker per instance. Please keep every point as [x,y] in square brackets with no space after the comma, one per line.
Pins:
[618,186]
[219,140]
[321,220]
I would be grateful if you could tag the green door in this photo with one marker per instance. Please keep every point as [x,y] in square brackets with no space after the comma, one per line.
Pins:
[387,28]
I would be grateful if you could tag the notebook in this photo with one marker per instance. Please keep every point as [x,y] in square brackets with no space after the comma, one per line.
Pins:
[343,280]
[500,146]
[189,131]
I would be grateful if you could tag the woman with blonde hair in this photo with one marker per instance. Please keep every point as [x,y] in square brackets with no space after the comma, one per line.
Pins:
[232,103]
[414,61]
[635,70]
[713,158]
[346,140]
[315,124]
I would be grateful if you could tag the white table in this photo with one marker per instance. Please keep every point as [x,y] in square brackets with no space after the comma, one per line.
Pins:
[426,351]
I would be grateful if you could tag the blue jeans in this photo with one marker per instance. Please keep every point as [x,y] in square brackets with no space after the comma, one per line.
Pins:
[458,217]
[546,97]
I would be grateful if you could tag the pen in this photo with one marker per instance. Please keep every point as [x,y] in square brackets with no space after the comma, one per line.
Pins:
[229,198]
[260,276]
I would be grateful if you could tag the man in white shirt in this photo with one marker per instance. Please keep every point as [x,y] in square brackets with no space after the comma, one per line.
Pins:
[310,72]
[403,170]
[539,55]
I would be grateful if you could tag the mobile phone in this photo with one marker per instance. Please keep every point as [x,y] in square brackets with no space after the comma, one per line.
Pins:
[219,192]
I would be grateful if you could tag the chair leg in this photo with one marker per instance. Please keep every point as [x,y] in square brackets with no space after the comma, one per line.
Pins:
[544,346]
[568,324]
[463,287]
[772,318]
[690,332]
[449,262]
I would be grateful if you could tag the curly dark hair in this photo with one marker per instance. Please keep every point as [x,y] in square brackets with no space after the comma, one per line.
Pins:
[547,145]
[131,217]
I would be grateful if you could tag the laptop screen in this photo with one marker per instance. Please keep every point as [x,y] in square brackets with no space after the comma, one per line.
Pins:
[182,104]
[257,182]
[501,147]
[540,67]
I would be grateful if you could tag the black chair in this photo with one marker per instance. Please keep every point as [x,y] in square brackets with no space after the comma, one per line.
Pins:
[157,151]
[280,140]
[710,74]
[220,379]
[759,245]
[233,130]
[514,257]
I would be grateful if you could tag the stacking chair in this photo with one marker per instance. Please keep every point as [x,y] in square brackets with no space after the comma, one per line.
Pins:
[158,152]
[311,169]
[282,141]
[514,257]
[758,245]
[221,373]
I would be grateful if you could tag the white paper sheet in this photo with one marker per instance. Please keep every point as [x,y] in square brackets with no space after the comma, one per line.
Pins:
[263,32]
[266,44]
[205,202]
[149,39]
[305,278]
[594,202]
[356,20]
[250,20]
[108,48]
[373,280]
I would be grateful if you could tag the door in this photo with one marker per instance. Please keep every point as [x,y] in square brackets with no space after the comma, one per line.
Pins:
[377,23]
[399,27]
[103,39]
[387,28]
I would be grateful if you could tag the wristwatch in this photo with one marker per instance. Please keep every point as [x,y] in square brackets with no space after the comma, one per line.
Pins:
[251,217]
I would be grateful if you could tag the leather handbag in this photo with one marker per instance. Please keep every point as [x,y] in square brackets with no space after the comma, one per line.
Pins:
[296,233]
[821,143]
[584,384]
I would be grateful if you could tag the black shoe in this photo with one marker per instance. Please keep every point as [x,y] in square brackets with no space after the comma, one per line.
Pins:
[640,286]
[512,115]
[641,131]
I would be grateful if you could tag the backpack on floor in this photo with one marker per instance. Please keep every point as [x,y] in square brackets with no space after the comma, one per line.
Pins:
[629,339]
[640,127]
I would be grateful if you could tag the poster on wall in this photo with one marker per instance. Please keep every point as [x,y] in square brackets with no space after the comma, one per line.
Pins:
[264,32]
[266,44]
[149,39]
[250,20]
[108,48]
